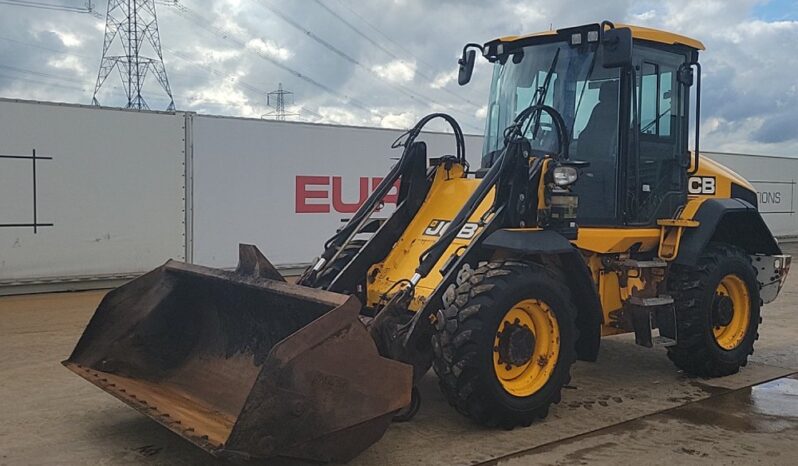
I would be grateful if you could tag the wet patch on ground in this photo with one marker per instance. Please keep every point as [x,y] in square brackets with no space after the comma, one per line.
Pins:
[767,408]
[749,425]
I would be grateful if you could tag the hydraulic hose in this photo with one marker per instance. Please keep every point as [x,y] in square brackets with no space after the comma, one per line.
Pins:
[340,239]
[516,131]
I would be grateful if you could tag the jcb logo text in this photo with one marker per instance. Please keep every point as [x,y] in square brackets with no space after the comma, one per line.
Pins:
[701,185]
[438,228]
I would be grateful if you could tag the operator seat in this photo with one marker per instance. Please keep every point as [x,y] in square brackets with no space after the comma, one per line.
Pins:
[603,123]
[597,144]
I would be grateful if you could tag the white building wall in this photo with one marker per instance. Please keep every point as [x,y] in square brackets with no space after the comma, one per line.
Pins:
[113,191]
[117,196]
[774,179]
[284,186]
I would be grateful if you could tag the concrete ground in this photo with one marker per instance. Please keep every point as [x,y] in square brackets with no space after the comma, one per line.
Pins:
[631,406]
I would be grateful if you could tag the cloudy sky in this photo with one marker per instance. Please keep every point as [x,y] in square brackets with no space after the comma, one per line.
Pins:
[388,62]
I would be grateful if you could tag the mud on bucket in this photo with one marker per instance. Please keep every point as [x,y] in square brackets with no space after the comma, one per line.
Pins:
[242,363]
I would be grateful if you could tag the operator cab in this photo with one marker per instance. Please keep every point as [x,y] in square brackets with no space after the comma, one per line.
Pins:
[624,94]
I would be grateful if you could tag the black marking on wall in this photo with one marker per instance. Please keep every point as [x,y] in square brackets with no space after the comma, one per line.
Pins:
[35,224]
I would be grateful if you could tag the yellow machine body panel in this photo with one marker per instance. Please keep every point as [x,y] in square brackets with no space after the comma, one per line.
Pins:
[716,178]
[723,179]
[712,180]
[449,191]
[607,240]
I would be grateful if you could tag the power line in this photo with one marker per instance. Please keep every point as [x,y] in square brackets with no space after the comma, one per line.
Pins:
[43,74]
[243,85]
[404,90]
[203,23]
[356,30]
[39,73]
[49,6]
[424,100]
[229,36]
[45,83]
[379,31]
[237,82]
[49,76]
[49,49]
[373,42]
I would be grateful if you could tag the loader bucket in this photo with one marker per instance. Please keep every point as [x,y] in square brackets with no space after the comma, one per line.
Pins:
[241,363]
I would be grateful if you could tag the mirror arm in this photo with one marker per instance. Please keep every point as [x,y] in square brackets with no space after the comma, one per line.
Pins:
[465,50]
[697,116]
[466,63]
[635,143]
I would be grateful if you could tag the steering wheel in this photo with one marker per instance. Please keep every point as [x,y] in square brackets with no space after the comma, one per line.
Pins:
[520,126]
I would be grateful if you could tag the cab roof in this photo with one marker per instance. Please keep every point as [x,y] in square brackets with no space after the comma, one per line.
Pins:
[638,32]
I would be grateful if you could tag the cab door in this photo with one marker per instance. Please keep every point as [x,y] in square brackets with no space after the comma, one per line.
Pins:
[656,175]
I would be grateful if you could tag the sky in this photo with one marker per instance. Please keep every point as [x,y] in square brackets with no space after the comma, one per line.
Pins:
[389,62]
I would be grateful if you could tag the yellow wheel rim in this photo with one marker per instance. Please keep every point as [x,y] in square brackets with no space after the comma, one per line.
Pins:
[730,335]
[526,373]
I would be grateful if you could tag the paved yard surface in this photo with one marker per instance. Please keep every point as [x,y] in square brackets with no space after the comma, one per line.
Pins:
[631,406]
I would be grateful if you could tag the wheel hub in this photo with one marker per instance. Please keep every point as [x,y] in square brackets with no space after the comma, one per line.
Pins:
[516,344]
[722,310]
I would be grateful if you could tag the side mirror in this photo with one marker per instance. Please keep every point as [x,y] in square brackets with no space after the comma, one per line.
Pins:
[617,47]
[466,63]
[685,74]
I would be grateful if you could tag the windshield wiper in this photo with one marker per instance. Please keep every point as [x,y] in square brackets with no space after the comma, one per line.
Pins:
[654,121]
[539,98]
[584,87]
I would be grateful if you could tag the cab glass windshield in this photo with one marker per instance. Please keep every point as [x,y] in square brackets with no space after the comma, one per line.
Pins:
[573,82]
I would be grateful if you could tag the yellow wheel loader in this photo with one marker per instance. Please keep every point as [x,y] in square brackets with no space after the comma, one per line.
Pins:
[588,217]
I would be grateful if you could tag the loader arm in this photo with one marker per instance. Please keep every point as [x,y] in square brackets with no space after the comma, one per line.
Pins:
[515,175]
[410,173]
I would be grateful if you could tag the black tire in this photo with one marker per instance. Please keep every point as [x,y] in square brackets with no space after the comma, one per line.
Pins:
[463,345]
[697,351]
[332,270]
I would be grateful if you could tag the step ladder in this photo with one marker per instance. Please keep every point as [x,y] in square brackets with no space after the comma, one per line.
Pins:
[645,314]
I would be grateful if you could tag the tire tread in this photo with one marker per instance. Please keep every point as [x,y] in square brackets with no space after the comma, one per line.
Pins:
[692,352]
[456,349]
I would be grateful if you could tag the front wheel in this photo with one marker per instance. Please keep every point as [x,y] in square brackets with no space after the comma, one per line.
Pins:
[505,346]
[717,312]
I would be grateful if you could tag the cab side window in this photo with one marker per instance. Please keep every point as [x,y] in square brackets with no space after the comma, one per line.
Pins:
[656,178]
[656,99]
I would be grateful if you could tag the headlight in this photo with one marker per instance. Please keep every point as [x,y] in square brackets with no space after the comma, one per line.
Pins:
[564,175]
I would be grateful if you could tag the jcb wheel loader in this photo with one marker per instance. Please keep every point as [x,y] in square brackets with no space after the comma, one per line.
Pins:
[588,217]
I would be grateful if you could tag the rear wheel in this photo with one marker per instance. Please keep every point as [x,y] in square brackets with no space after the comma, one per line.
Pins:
[717,312]
[505,346]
